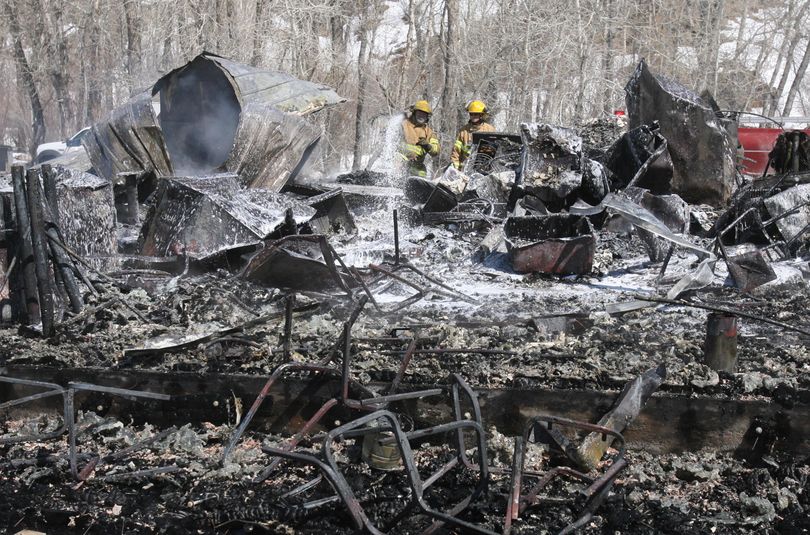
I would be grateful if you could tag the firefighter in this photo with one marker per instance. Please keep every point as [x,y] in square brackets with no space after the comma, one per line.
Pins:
[477,123]
[418,139]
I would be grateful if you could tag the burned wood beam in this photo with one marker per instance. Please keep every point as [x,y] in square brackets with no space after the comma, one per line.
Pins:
[627,407]
[41,267]
[25,248]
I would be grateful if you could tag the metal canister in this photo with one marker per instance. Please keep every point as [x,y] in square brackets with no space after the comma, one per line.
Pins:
[379,455]
[720,351]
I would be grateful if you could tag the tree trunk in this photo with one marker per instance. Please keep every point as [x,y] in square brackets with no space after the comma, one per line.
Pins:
[93,62]
[789,54]
[62,78]
[167,57]
[607,58]
[26,76]
[448,96]
[772,97]
[362,82]
[797,81]
[133,43]
[715,49]
[258,33]
[406,59]
[582,61]
[51,36]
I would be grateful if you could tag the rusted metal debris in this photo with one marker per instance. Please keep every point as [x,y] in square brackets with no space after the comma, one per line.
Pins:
[556,244]
[720,349]
[624,411]
[69,423]
[376,426]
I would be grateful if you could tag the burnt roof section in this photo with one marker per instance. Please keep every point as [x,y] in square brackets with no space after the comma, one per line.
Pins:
[275,88]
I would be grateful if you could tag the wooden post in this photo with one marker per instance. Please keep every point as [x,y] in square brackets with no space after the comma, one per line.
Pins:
[25,252]
[41,267]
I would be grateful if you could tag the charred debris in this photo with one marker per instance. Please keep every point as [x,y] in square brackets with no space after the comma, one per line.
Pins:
[590,329]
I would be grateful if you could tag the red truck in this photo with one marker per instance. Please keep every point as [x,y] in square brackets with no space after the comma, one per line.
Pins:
[757,142]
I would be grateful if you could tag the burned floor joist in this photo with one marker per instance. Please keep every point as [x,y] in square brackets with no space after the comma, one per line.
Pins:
[669,423]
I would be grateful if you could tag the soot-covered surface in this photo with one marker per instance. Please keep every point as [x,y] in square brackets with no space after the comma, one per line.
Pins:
[516,318]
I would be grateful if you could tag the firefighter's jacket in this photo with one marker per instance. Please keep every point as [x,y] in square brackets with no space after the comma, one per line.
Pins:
[463,144]
[412,152]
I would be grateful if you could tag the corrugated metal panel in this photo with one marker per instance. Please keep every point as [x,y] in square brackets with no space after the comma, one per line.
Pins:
[128,140]
[276,89]
[270,146]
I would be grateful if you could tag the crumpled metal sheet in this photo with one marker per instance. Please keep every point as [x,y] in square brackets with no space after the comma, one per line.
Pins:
[795,197]
[750,270]
[627,407]
[702,148]
[270,147]
[279,267]
[128,140]
[296,263]
[204,216]
[643,218]
[553,168]
[628,154]
[699,278]
[671,210]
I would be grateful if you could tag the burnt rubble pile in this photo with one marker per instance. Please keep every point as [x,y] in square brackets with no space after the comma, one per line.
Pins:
[582,330]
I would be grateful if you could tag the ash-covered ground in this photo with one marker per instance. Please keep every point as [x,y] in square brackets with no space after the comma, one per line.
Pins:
[504,311]
[685,493]
[515,318]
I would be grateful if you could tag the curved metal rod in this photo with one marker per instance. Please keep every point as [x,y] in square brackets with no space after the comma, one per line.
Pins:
[278,372]
[337,481]
[415,481]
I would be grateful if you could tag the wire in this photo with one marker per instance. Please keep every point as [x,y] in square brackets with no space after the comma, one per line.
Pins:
[739,112]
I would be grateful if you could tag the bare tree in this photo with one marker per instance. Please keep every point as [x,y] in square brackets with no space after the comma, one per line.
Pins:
[26,76]
[797,80]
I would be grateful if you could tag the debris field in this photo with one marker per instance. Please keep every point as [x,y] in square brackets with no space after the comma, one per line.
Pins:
[593,329]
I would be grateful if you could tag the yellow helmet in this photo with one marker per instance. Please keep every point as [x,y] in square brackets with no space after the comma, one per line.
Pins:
[476,106]
[422,105]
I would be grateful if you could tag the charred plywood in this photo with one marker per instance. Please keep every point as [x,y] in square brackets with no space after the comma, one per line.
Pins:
[701,147]
[205,216]
[128,140]
[87,219]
